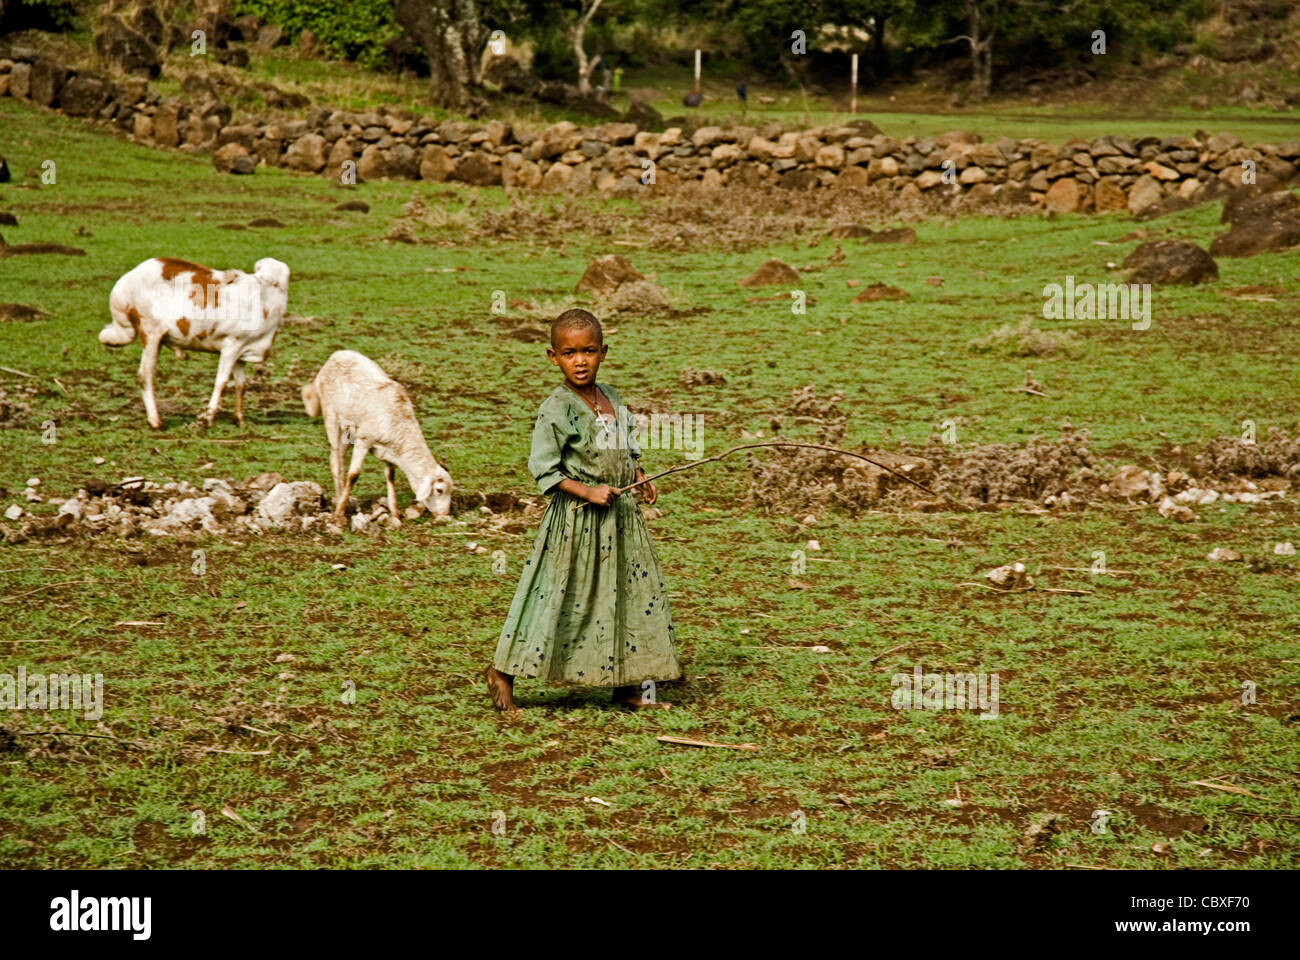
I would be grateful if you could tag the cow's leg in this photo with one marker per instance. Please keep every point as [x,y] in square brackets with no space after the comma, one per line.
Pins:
[148,364]
[225,367]
[358,455]
[392,491]
[240,374]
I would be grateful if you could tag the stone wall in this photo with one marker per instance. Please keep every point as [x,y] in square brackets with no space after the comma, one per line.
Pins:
[1109,173]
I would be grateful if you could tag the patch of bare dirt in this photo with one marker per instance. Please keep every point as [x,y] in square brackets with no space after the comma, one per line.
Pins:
[1058,474]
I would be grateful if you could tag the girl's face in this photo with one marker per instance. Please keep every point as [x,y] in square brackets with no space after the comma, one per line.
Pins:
[579,354]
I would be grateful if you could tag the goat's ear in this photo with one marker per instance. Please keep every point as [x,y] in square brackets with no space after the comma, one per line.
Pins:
[425,489]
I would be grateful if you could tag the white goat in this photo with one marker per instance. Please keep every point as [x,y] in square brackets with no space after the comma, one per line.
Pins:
[189,307]
[365,407]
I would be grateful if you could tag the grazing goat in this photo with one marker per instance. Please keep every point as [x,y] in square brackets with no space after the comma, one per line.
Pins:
[189,307]
[365,407]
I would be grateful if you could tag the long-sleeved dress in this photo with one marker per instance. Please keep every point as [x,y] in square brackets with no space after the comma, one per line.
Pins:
[591,607]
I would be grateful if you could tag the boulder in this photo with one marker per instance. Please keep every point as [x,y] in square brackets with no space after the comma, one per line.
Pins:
[1144,193]
[436,163]
[1065,196]
[1170,262]
[1259,235]
[373,164]
[285,501]
[85,94]
[130,51]
[233,158]
[1243,205]
[477,169]
[1108,196]
[48,78]
[557,177]
[307,154]
[20,80]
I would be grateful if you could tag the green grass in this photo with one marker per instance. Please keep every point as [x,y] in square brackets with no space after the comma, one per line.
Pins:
[1113,700]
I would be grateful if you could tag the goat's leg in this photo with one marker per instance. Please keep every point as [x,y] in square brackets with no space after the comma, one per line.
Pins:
[148,364]
[224,368]
[336,454]
[240,375]
[392,492]
[354,470]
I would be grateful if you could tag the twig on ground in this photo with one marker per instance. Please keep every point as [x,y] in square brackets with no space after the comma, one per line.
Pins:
[708,743]
[46,586]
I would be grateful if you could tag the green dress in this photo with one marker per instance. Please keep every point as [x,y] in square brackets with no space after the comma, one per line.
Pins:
[591,607]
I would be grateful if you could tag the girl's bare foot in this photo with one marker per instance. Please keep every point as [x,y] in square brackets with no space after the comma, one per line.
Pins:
[632,697]
[501,688]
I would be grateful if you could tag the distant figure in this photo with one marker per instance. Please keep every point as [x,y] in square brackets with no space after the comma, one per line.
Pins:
[742,91]
[618,79]
[605,79]
[693,99]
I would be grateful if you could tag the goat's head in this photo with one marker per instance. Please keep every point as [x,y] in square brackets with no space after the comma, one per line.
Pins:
[434,492]
[272,273]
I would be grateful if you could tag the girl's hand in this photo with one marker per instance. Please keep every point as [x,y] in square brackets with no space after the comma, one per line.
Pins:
[602,495]
[646,491]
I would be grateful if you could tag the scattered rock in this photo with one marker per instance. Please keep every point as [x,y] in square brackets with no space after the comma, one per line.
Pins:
[233,158]
[1222,555]
[1012,576]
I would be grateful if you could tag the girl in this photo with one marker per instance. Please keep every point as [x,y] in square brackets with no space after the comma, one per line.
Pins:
[590,607]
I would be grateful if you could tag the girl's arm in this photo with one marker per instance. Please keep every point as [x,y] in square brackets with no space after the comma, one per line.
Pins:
[602,495]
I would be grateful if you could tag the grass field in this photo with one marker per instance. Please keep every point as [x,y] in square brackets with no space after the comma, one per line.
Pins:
[1113,700]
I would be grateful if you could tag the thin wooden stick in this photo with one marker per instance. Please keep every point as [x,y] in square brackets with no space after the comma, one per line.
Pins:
[889,651]
[19,372]
[708,743]
[46,586]
[98,736]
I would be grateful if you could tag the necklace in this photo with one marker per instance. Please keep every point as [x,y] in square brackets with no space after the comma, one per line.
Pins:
[605,420]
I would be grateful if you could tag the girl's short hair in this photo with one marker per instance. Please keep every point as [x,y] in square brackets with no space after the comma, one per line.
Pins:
[576,319]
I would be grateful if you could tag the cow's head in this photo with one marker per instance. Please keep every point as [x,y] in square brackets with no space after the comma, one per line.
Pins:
[273,273]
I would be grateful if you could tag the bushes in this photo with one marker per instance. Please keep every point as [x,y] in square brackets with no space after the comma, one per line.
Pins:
[355,30]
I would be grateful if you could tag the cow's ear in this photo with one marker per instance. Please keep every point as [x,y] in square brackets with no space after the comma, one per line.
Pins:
[425,490]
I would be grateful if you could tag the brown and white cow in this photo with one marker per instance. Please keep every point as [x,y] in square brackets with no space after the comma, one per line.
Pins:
[191,307]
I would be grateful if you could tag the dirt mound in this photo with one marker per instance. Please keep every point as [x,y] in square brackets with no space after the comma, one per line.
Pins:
[22,313]
[690,377]
[880,291]
[772,271]
[1227,458]
[606,274]
[1060,474]
[638,297]
[15,405]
